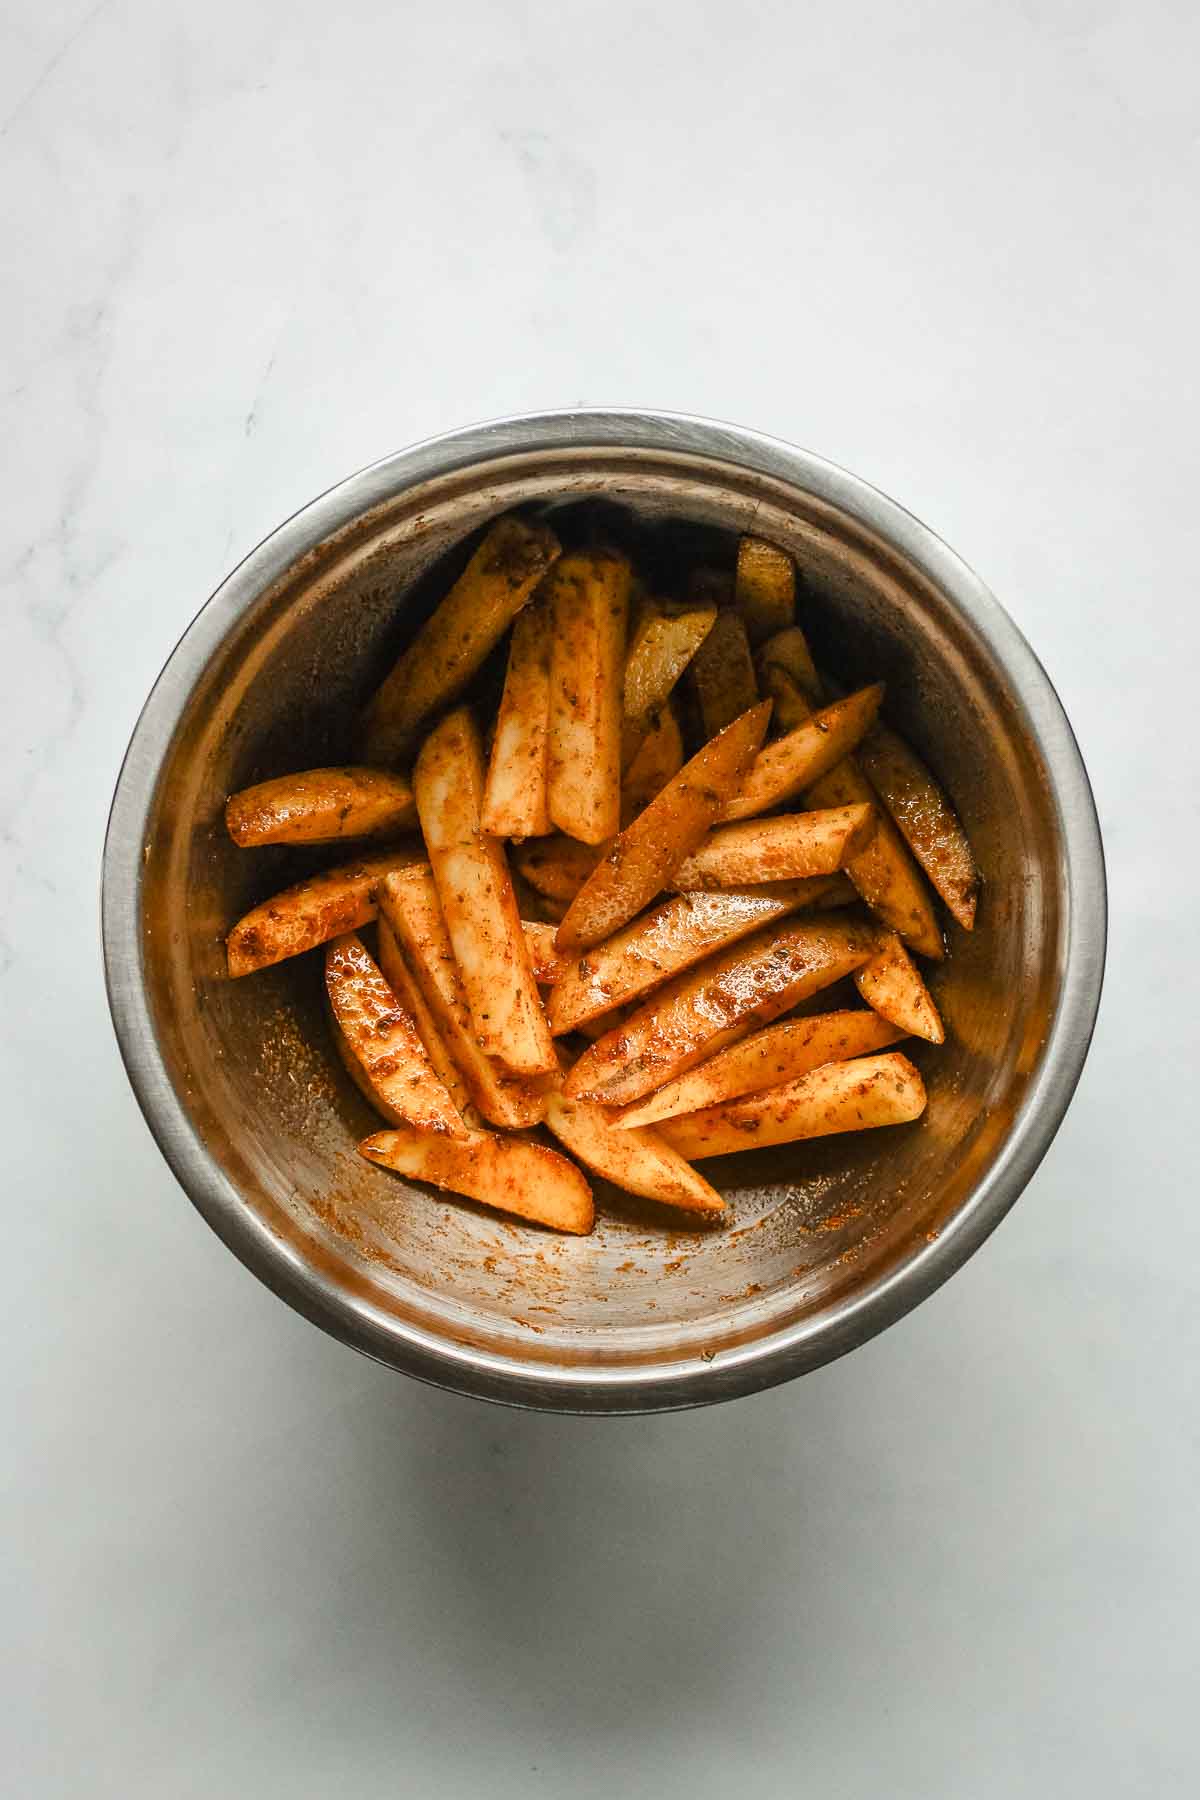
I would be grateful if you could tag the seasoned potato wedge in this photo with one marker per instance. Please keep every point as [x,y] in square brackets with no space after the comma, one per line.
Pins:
[383,1039]
[640,862]
[792,763]
[548,964]
[661,646]
[765,589]
[319,806]
[478,903]
[556,866]
[884,873]
[786,848]
[507,1173]
[779,1054]
[673,937]
[409,903]
[891,984]
[403,984]
[659,758]
[788,676]
[648,1167]
[469,623]
[725,999]
[589,596]
[514,796]
[310,913]
[722,674]
[844,1096]
[926,819]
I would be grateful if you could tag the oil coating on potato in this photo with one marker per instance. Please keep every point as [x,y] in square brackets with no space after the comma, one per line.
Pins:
[787,848]
[320,806]
[510,1174]
[514,798]
[382,1037]
[891,983]
[925,818]
[779,1054]
[715,1004]
[792,763]
[883,872]
[648,1166]
[589,597]
[765,588]
[311,912]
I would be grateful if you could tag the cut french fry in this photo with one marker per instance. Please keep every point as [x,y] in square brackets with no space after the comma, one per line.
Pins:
[673,937]
[478,903]
[892,984]
[311,912]
[660,649]
[589,597]
[722,674]
[794,762]
[507,1173]
[514,796]
[659,758]
[779,1054]
[844,1096]
[765,589]
[926,819]
[409,904]
[648,1167]
[404,985]
[319,806]
[787,848]
[725,999]
[884,873]
[640,862]
[556,867]
[548,964]
[383,1039]
[788,676]
[469,623]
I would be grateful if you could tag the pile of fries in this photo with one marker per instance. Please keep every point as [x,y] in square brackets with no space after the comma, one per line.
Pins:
[597,935]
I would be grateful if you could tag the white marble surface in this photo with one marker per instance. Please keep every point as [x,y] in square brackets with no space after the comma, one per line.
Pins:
[249,247]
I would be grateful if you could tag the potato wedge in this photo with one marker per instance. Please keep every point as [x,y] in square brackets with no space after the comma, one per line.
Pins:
[788,676]
[722,674]
[794,762]
[787,848]
[410,906]
[779,1054]
[556,866]
[311,912]
[726,998]
[403,984]
[925,818]
[478,903]
[843,1096]
[891,983]
[514,796]
[659,758]
[648,1167]
[383,1039]
[884,873]
[664,942]
[661,646]
[589,595]
[765,588]
[450,646]
[510,1174]
[548,964]
[319,806]
[641,861]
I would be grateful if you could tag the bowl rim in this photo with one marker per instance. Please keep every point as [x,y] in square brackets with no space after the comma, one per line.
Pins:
[777,1356]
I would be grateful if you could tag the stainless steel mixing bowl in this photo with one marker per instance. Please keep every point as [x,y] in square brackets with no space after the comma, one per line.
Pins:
[825,1243]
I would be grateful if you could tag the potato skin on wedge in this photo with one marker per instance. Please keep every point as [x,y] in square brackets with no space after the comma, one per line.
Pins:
[848,1096]
[320,806]
[891,983]
[925,818]
[311,912]
[884,873]
[383,1040]
[510,1174]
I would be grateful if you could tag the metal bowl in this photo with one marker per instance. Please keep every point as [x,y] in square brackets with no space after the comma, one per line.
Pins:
[825,1243]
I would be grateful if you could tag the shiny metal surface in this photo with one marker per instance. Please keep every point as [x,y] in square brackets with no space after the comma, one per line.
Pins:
[826,1243]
